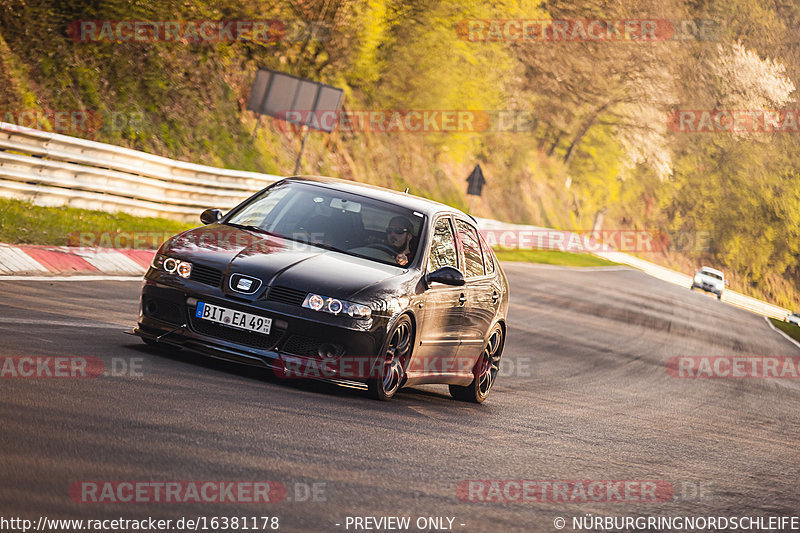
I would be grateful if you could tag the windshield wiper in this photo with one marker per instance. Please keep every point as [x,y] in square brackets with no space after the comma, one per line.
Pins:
[301,241]
[326,247]
[257,229]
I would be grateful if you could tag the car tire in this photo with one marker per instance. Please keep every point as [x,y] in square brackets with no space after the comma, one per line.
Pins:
[390,368]
[485,371]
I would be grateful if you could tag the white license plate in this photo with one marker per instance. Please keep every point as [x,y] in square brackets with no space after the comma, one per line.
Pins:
[236,319]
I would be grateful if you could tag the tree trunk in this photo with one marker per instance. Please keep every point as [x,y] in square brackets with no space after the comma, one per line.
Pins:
[582,132]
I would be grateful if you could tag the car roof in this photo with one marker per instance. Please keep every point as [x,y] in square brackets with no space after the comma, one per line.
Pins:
[711,270]
[409,201]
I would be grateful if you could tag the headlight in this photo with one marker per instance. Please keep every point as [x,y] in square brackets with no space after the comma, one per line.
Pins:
[158,261]
[184,269]
[172,265]
[335,306]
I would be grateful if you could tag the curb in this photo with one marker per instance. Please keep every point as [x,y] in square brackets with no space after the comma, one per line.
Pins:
[43,260]
[785,336]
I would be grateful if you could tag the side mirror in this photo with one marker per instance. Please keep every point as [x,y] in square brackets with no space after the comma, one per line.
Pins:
[210,216]
[446,275]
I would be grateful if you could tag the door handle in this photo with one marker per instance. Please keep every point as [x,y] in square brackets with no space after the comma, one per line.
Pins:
[462,299]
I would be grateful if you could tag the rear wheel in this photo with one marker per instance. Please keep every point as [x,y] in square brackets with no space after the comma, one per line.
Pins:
[391,368]
[485,371]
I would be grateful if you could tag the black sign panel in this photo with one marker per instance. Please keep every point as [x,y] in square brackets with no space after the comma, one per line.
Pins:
[297,100]
[476,181]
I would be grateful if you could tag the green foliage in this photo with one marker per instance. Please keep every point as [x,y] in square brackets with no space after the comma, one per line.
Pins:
[25,223]
[552,257]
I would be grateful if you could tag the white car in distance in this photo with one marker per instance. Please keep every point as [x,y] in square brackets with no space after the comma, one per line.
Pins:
[710,280]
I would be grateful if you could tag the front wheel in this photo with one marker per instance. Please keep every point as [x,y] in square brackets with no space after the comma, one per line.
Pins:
[390,370]
[485,371]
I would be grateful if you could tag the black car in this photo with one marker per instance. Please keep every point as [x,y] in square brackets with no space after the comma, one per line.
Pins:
[324,278]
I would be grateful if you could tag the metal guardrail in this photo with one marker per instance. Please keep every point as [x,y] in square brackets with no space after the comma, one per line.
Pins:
[54,169]
[657,271]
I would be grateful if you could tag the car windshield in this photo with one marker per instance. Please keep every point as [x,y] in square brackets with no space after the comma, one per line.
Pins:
[334,220]
[711,274]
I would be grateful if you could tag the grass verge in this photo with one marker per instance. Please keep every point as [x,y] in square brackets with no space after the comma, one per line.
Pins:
[22,222]
[790,329]
[552,257]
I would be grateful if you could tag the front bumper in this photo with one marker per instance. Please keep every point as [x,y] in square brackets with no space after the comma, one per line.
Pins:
[707,287]
[166,315]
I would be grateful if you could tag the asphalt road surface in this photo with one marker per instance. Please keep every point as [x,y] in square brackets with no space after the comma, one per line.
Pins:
[584,394]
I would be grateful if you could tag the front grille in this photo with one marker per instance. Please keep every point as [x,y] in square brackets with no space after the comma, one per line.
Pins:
[286,295]
[163,310]
[207,275]
[239,336]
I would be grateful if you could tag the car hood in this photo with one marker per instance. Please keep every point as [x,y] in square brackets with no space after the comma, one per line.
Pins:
[278,261]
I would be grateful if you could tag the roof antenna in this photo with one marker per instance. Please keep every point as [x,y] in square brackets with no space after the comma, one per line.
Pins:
[406,191]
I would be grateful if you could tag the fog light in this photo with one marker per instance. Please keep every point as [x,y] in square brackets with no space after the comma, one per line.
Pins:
[328,350]
[150,307]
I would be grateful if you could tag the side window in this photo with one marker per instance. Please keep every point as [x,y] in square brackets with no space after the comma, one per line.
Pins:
[488,261]
[443,246]
[473,258]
